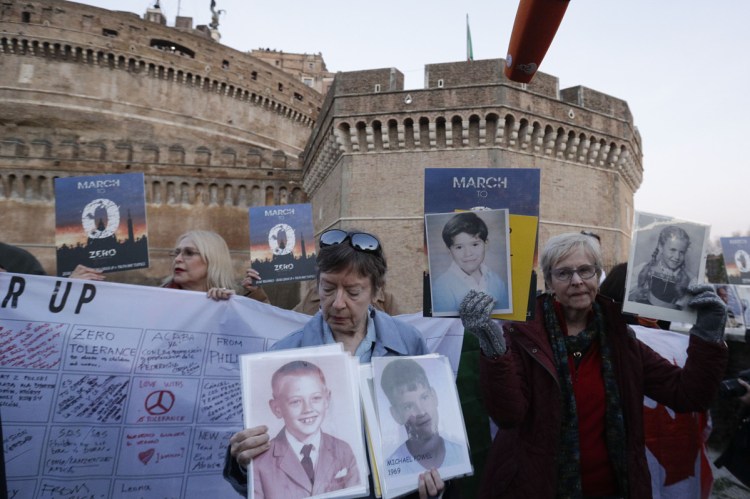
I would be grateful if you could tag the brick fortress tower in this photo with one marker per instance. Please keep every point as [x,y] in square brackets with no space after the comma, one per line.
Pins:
[364,164]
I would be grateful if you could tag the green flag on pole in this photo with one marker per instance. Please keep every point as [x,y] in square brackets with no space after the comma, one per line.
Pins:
[469,48]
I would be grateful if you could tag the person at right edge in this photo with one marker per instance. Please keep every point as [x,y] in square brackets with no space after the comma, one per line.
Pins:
[566,388]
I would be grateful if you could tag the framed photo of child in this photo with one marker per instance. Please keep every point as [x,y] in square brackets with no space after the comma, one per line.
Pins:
[420,420]
[666,256]
[468,250]
[310,403]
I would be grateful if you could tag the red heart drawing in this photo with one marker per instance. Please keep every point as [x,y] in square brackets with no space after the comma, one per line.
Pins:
[146,455]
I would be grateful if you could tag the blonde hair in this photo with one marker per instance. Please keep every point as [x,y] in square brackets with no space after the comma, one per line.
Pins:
[214,251]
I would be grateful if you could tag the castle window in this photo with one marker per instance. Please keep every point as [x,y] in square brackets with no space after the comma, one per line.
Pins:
[308,81]
[377,87]
[203,156]
[377,135]
[109,32]
[228,157]
[281,87]
[176,154]
[150,154]
[278,159]
[440,132]
[441,83]
[424,133]
[298,96]
[254,75]
[25,17]
[41,148]
[224,64]
[409,133]
[172,47]
[14,147]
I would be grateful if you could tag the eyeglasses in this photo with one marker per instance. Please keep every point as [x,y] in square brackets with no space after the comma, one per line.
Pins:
[185,252]
[360,241]
[565,274]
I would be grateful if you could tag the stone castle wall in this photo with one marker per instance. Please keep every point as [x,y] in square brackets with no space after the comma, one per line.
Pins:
[120,40]
[89,91]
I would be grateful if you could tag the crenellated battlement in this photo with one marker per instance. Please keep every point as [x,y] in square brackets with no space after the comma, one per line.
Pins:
[76,33]
[481,110]
[191,77]
[438,132]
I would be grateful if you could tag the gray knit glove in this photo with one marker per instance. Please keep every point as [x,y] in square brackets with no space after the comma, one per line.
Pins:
[475,312]
[712,312]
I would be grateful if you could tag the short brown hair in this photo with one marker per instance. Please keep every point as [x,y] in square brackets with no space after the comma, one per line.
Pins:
[339,257]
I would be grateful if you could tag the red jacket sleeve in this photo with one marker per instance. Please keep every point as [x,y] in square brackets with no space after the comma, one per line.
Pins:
[691,388]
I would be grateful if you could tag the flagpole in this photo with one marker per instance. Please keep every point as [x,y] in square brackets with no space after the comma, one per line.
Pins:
[469,47]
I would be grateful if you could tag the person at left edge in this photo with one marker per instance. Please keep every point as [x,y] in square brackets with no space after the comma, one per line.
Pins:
[351,268]
[19,261]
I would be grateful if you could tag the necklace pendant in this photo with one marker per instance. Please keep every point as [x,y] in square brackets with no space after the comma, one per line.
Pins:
[577,355]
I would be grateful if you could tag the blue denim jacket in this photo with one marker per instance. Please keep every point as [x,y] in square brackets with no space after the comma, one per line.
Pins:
[392,337]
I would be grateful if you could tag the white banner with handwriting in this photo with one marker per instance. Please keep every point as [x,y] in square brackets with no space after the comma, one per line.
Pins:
[114,390]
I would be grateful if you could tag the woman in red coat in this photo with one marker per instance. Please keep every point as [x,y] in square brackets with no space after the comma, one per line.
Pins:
[566,389]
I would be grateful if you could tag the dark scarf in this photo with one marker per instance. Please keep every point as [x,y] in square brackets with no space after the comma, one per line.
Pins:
[569,455]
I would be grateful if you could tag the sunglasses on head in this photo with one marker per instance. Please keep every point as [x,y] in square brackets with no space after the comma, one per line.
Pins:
[360,241]
[591,234]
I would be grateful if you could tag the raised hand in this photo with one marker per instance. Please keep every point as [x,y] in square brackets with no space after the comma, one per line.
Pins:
[712,312]
[475,310]
[87,273]
[220,293]
[251,277]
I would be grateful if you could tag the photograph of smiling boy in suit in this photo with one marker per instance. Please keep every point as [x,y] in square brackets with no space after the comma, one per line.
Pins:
[303,460]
